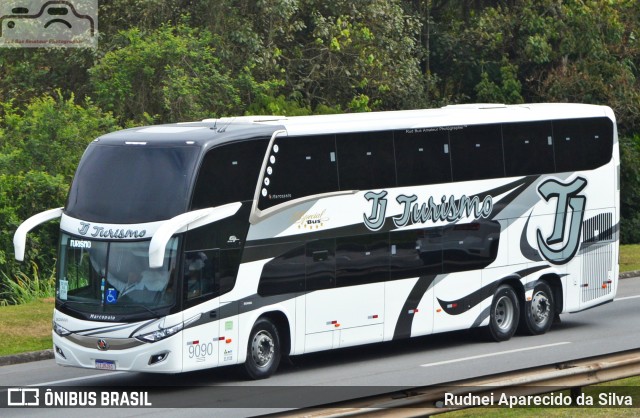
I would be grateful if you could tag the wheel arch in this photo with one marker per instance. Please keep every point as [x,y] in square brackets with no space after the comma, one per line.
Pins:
[283,325]
[515,282]
[554,282]
[552,279]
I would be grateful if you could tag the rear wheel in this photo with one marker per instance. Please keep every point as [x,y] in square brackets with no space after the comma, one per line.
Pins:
[504,315]
[263,350]
[538,313]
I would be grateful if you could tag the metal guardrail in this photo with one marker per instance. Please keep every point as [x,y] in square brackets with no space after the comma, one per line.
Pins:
[430,400]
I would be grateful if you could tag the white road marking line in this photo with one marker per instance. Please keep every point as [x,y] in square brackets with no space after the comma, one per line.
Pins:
[73,379]
[627,297]
[493,354]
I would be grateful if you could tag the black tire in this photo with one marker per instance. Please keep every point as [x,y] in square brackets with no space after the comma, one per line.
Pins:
[504,315]
[263,350]
[538,313]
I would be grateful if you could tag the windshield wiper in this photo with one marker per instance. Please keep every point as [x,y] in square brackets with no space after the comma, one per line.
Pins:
[64,302]
[140,306]
[64,305]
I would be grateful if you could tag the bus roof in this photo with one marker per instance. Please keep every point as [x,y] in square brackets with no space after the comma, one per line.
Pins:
[453,115]
[216,131]
[202,134]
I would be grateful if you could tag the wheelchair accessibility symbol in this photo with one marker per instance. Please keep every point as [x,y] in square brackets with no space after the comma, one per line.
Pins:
[41,23]
[112,296]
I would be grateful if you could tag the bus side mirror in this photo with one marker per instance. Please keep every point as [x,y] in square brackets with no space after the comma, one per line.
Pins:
[20,237]
[182,222]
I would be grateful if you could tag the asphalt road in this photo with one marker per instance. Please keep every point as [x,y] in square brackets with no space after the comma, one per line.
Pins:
[341,374]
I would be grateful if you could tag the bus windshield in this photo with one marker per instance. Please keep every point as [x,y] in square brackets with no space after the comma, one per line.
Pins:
[113,279]
[127,184]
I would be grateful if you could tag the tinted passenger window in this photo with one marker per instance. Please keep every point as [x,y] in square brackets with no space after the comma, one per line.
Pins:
[284,274]
[422,157]
[362,259]
[469,246]
[320,264]
[366,160]
[416,253]
[229,173]
[476,152]
[299,167]
[582,144]
[528,148]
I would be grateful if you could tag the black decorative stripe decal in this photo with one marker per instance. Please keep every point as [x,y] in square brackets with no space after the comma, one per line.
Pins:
[405,320]
[462,305]
[244,305]
[525,248]
[261,249]
[272,247]
[99,330]
[480,319]
[505,201]
[403,325]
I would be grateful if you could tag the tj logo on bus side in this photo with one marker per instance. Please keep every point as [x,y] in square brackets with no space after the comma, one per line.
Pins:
[567,197]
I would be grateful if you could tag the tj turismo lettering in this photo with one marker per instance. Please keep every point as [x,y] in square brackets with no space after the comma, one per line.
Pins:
[449,209]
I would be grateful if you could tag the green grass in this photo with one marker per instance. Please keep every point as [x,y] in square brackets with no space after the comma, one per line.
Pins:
[629,257]
[26,327]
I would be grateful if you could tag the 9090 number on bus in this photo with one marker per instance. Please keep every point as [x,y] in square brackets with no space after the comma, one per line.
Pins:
[200,351]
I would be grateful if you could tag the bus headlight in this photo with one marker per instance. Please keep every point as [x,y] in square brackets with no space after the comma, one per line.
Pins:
[162,333]
[61,331]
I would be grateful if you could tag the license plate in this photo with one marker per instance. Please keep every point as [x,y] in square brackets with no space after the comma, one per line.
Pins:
[105,364]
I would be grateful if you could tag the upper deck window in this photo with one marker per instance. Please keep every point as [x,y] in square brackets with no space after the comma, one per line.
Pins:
[476,152]
[422,156]
[582,144]
[528,148]
[366,160]
[229,174]
[299,167]
[125,184]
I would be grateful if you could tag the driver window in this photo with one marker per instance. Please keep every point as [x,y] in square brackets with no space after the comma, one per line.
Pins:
[199,278]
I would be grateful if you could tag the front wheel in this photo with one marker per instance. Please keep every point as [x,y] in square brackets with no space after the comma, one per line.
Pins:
[263,350]
[504,314]
[539,312]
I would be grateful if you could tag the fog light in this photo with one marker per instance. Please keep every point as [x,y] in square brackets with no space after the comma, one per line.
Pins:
[158,358]
[60,352]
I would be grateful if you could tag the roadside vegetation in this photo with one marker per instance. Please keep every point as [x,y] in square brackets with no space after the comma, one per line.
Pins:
[26,327]
[629,258]
[164,62]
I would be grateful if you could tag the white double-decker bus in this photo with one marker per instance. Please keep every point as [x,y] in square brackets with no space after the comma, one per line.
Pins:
[243,240]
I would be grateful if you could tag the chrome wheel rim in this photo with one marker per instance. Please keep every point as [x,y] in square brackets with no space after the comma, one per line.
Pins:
[540,308]
[504,313]
[262,348]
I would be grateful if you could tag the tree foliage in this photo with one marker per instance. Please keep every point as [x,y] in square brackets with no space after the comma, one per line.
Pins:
[168,61]
[40,146]
[163,73]
[49,134]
